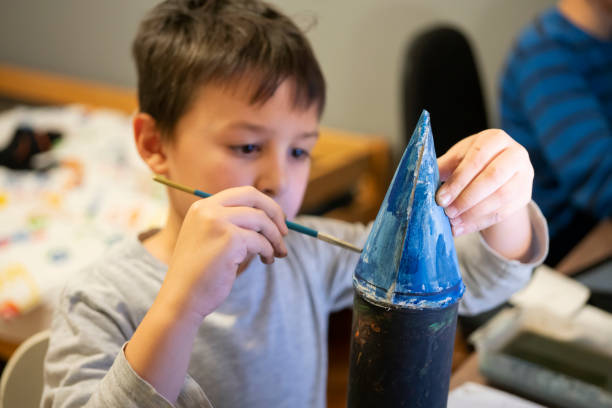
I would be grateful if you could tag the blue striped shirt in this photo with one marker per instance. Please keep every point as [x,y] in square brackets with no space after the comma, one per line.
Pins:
[556,100]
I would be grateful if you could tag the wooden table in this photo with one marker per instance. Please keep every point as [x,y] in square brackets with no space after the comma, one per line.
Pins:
[596,246]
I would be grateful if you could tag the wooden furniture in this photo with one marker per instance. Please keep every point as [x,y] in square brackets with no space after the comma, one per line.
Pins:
[467,372]
[352,164]
[7,349]
[596,246]
[37,87]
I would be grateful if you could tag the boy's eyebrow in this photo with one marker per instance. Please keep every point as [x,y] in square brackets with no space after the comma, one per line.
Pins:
[263,130]
[248,126]
[314,133]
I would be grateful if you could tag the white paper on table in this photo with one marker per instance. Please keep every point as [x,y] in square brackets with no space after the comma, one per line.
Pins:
[598,323]
[553,292]
[472,395]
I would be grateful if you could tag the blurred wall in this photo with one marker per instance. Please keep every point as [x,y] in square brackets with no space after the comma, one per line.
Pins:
[360,44]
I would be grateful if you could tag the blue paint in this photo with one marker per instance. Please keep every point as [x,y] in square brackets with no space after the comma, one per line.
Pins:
[57,255]
[409,259]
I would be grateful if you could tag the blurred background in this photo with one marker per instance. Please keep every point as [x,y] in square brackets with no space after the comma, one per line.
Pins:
[360,44]
[95,189]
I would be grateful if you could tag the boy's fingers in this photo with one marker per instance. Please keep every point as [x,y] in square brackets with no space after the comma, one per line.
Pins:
[498,199]
[257,220]
[249,196]
[257,244]
[487,220]
[488,182]
[478,156]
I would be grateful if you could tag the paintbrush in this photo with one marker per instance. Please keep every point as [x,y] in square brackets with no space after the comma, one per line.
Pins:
[291,225]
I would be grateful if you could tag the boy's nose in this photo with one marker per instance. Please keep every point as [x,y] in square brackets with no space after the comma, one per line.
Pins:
[272,177]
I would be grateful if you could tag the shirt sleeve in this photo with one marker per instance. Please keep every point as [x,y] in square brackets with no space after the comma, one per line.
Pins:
[85,364]
[570,126]
[490,278]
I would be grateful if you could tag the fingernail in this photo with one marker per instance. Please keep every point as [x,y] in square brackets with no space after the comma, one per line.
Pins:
[456,221]
[451,212]
[458,230]
[444,198]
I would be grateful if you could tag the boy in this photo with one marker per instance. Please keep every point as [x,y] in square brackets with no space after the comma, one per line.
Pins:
[199,312]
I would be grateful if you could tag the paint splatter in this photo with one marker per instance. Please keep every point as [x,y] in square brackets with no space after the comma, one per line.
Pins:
[4,199]
[57,255]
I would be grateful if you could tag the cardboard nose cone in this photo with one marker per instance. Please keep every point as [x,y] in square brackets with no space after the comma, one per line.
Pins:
[409,259]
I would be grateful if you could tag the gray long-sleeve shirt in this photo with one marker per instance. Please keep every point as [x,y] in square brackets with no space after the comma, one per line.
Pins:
[265,346]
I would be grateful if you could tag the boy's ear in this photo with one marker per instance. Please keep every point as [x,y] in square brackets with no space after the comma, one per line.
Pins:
[149,143]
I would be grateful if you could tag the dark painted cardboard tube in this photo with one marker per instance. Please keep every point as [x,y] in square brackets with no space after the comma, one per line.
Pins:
[400,357]
[407,290]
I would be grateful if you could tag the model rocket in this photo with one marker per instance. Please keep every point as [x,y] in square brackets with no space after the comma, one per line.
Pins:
[407,285]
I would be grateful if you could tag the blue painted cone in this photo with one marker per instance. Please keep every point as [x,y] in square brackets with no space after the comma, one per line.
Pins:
[407,285]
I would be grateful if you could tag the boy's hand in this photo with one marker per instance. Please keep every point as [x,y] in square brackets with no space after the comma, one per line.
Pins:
[217,235]
[488,179]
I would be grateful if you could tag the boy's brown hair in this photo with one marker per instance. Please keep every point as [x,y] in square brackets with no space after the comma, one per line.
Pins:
[182,45]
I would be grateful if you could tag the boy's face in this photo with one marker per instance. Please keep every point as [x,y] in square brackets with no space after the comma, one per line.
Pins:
[222,141]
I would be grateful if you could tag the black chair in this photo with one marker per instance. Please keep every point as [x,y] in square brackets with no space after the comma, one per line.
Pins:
[440,75]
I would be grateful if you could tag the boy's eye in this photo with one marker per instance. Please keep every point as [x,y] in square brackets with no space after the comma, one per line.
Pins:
[246,149]
[299,153]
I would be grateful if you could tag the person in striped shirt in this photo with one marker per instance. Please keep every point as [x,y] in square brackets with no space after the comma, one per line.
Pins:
[556,100]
